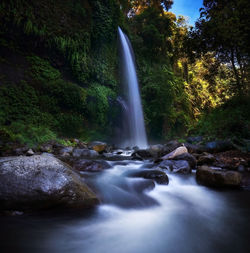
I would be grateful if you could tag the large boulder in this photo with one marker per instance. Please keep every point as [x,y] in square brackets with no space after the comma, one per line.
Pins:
[158,176]
[218,177]
[91,165]
[176,166]
[39,182]
[178,151]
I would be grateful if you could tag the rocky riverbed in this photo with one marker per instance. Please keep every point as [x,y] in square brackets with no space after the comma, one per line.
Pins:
[53,175]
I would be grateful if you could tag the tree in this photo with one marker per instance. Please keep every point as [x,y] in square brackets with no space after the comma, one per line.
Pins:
[133,7]
[224,27]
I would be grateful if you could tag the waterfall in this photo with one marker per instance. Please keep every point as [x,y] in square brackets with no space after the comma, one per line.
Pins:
[135,128]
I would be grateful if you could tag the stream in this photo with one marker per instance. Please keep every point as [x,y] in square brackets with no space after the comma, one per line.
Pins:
[134,218]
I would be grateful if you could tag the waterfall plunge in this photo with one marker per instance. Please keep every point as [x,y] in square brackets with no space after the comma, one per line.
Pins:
[135,128]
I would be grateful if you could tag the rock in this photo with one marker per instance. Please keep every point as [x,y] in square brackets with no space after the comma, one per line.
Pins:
[206,158]
[39,182]
[98,146]
[65,151]
[187,157]
[194,139]
[218,177]
[194,148]
[21,150]
[158,176]
[82,145]
[218,146]
[30,152]
[46,148]
[233,159]
[142,153]
[135,148]
[90,165]
[13,213]
[156,150]
[176,152]
[77,152]
[170,146]
[241,168]
[176,166]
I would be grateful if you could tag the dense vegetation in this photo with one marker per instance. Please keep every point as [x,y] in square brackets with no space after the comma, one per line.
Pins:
[59,72]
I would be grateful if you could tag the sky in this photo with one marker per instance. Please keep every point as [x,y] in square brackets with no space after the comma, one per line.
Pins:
[187,8]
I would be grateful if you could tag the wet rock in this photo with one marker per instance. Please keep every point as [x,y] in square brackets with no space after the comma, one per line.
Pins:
[77,152]
[170,146]
[39,182]
[218,177]
[65,151]
[157,150]
[98,146]
[135,148]
[158,176]
[194,139]
[176,166]
[30,152]
[176,152]
[90,165]
[142,153]
[189,158]
[206,158]
[218,146]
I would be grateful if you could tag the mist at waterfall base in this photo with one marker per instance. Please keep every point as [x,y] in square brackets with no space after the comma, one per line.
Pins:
[133,128]
[181,217]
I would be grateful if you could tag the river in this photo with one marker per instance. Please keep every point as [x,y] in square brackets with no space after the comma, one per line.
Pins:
[182,217]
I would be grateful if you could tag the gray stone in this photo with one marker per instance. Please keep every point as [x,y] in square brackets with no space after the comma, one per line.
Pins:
[176,166]
[158,176]
[77,152]
[218,177]
[206,158]
[30,152]
[142,154]
[39,182]
[90,165]
[189,158]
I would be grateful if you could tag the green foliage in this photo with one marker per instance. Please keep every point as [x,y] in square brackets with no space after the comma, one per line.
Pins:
[27,134]
[230,119]
[41,69]
[98,97]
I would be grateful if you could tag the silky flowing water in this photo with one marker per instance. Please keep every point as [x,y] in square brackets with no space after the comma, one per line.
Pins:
[175,218]
[134,127]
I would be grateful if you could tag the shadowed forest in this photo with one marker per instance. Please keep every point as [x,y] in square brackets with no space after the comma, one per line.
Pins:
[59,69]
